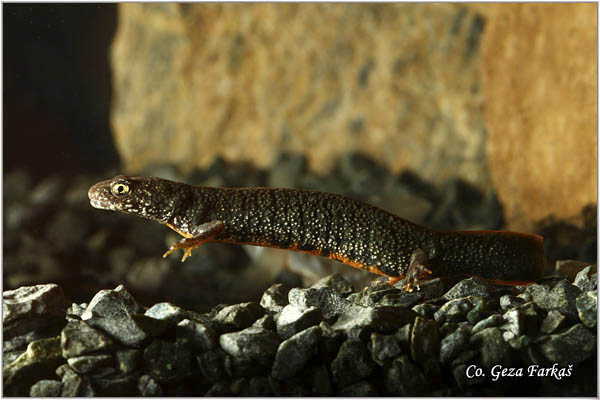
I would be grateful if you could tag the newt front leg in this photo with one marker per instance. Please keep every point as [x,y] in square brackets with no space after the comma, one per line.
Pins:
[419,268]
[204,233]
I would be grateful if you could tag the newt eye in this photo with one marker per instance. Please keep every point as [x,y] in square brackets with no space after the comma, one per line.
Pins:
[119,189]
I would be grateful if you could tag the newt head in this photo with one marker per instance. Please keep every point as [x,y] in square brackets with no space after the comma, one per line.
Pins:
[150,198]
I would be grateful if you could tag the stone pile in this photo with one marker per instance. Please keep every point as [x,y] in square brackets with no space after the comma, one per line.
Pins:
[453,337]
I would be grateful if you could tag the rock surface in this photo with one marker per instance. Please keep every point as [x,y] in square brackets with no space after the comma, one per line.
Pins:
[540,81]
[399,82]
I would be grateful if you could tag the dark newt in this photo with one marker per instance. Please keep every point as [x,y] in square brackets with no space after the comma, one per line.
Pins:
[324,224]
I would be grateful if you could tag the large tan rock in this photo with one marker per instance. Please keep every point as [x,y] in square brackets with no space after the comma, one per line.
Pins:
[539,64]
[400,82]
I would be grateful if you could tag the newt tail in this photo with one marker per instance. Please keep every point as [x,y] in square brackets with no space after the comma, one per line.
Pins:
[352,232]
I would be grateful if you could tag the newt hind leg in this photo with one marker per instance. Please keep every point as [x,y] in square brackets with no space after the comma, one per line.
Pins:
[204,233]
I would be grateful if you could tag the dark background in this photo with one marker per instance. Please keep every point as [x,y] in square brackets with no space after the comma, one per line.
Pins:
[57,88]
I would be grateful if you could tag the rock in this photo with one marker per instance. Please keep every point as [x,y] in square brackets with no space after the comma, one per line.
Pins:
[201,336]
[117,386]
[257,386]
[45,388]
[346,107]
[292,320]
[359,389]
[287,170]
[426,310]
[571,268]
[384,348]
[72,384]
[317,379]
[128,360]
[454,343]
[330,342]
[112,303]
[265,322]
[587,308]
[569,347]
[336,282]
[360,322]
[293,353]
[404,378]
[87,364]
[330,302]
[212,364]
[169,312]
[79,338]
[32,307]
[239,316]
[587,279]
[403,336]
[482,308]
[471,287]
[352,363]
[76,311]
[148,387]
[402,299]
[553,320]
[433,288]
[425,345]
[454,310]
[560,188]
[509,301]
[38,362]
[492,346]
[520,343]
[562,298]
[251,344]
[515,322]
[168,362]
[275,298]
[491,321]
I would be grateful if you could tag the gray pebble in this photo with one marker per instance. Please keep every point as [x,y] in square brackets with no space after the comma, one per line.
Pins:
[587,308]
[352,363]
[46,388]
[275,297]
[569,347]
[293,319]
[293,353]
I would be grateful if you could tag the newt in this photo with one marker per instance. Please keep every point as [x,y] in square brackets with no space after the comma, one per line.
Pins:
[330,225]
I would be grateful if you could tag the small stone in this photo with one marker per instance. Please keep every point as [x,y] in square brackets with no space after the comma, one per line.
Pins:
[201,336]
[168,312]
[562,298]
[454,343]
[32,307]
[491,321]
[265,322]
[483,307]
[212,365]
[330,342]
[402,299]
[76,311]
[257,386]
[275,298]
[404,378]
[36,363]
[79,338]
[360,322]
[168,362]
[569,347]
[317,379]
[425,344]
[293,353]
[471,287]
[148,387]
[352,363]
[433,288]
[239,316]
[403,336]
[111,303]
[508,301]
[372,295]
[221,389]
[251,344]
[426,310]
[359,389]
[384,348]
[587,279]
[454,310]
[552,321]
[87,364]
[492,346]
[128,360]
[45,388]
[520,343]
[515,322]
[330,302]
[587,308]
[293,319]
[117,385]
[335,282]
[72,384]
